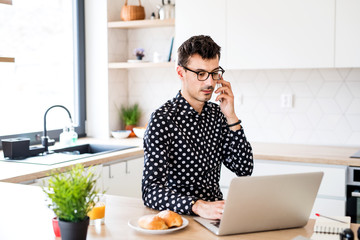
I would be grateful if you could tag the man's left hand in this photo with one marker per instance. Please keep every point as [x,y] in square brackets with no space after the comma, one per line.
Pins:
[226,98]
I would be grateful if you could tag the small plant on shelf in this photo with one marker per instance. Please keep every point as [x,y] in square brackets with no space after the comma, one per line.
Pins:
[130,116]
[139,53]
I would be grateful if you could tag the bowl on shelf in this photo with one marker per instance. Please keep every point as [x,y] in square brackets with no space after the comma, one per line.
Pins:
[139,131]
[121,134]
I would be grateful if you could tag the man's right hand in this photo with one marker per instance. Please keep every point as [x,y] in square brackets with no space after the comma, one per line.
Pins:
[210,210]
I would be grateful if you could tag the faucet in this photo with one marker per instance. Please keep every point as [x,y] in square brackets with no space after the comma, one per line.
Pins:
[45,140]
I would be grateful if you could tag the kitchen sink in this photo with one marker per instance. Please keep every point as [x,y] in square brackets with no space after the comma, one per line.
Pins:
[91,149]
[71,153]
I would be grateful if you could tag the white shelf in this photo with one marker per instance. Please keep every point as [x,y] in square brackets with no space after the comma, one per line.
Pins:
[142,23]
[127,65]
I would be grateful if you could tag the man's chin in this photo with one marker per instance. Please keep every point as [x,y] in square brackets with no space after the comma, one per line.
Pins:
[205,98]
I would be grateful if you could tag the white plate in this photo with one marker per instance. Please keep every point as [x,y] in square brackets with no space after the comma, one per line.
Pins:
[133,223]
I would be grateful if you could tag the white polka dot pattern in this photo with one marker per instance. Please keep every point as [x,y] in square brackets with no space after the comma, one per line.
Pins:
[183,155]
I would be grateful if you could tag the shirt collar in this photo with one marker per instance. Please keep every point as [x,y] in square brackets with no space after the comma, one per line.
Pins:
[185,107]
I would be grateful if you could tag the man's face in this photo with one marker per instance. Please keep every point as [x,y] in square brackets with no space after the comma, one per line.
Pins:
[193,90]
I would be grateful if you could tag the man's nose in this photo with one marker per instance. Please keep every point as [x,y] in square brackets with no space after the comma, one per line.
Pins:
[210,80]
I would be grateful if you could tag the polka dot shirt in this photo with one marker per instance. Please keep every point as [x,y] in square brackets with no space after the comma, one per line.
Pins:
[184,151]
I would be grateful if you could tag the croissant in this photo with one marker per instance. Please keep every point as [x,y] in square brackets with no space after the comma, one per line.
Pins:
[152,223]
[172,219]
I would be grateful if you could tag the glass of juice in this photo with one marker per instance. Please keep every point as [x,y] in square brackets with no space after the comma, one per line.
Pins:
[97,213]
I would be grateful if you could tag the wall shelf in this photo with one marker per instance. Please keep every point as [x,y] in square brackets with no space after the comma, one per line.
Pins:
[127,65]
[6,2]
[7,59]
[142,23]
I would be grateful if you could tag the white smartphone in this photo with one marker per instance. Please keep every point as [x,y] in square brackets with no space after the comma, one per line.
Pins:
[218,85]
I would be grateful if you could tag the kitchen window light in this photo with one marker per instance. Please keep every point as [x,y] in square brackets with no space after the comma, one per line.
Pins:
[47,40]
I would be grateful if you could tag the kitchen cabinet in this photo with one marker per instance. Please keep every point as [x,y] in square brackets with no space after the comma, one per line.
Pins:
[97,169]
[260,34]
[347,50]
[331,197]
[280,34]
[123,178]
[201,17]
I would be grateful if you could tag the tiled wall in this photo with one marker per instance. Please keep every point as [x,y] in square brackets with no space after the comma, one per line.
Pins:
[326,105]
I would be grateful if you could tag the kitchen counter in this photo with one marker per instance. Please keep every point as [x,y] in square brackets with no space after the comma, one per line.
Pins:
[306,153]
[16,172]
[24,215]
[20,172]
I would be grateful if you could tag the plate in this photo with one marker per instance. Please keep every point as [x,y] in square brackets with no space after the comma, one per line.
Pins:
[133,223]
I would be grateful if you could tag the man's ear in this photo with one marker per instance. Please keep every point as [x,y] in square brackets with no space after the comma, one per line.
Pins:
[180,72]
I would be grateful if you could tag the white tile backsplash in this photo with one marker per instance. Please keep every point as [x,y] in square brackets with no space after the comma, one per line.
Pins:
[326,108]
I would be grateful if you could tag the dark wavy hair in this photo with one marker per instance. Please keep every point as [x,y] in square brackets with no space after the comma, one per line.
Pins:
[202,45]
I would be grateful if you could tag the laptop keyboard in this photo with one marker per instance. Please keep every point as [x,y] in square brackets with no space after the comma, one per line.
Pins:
[216,223]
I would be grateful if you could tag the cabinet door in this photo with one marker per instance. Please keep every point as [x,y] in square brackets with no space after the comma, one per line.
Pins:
[123,178]
[43,182]
[201,17]
[280,34]
[347,33]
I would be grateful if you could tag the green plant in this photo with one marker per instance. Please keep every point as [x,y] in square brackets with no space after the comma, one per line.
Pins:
[72,193]
[130,115]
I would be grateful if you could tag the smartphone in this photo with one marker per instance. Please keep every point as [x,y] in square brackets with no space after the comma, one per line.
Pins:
[218,85]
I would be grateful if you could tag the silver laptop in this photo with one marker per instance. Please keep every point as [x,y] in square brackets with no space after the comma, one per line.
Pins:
[263,203]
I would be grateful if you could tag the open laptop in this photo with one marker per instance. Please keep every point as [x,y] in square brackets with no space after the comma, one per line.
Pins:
[263,203]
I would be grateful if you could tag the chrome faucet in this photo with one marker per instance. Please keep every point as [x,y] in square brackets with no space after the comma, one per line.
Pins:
[45,140]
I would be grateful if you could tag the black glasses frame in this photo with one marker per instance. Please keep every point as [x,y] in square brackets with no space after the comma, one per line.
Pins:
[212,73]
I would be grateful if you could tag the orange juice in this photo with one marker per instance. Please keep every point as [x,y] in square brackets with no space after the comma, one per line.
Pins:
[97,212]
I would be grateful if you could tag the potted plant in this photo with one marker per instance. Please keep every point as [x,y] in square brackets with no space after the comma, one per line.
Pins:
[72,195]
[139,53]
[130,116]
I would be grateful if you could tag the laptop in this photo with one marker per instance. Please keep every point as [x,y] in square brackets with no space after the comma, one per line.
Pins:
[263,203]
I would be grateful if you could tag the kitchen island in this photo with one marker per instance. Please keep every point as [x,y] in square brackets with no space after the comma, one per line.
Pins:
[24,215]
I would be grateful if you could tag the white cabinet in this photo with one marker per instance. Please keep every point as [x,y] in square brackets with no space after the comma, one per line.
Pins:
[201,17]
[280,34]
[123,178]
[347,33]
[262,34]
[97,169]
[331,197]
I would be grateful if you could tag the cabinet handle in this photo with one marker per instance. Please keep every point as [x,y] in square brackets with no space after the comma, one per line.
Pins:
[355,194]
[110,175]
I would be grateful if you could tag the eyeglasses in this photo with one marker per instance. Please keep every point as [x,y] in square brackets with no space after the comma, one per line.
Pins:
[203,75]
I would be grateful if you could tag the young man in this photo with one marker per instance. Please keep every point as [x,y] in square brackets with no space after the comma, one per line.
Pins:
[188,138]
